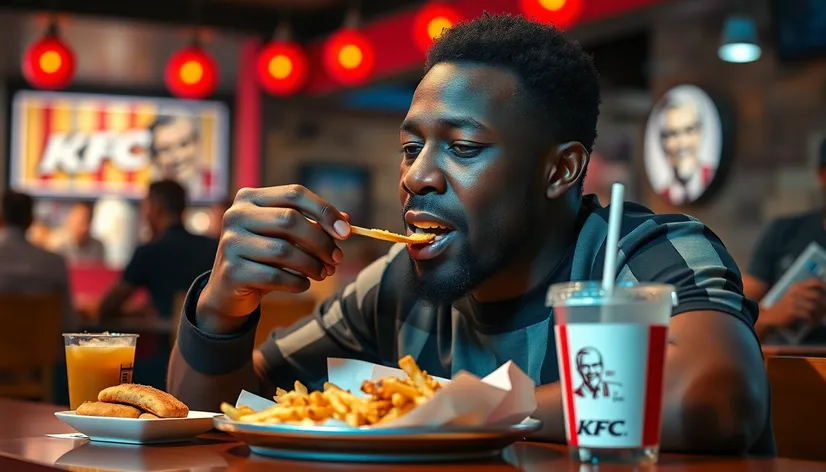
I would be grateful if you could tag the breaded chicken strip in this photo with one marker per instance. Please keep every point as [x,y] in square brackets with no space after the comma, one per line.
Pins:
[146,398]
[147,416]
[107,409]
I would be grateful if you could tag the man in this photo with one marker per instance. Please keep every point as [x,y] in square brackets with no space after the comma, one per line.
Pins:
[176,153]
[494,150]
[168,265]
[25,268]
[681,137]
[803,305]
[75,243]
[591,370]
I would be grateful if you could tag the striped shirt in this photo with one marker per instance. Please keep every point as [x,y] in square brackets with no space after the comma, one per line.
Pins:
[376,319]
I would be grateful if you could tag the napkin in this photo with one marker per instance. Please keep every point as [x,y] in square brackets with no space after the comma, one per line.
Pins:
[504,397]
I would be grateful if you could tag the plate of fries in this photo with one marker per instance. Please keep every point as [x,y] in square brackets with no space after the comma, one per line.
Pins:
[337,424]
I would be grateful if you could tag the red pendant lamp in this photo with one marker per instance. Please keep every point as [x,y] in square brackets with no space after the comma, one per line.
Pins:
[562,13]
[431,20]
[348,56]
[191,73]
[282,65]
[49,63]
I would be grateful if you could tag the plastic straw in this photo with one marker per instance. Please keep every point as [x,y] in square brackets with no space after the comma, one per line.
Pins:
[609,271]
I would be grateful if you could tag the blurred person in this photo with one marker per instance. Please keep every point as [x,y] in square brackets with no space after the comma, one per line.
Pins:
[24,267]
[803,304]
[168,264]
[75,242]
[493,152]
[175,152]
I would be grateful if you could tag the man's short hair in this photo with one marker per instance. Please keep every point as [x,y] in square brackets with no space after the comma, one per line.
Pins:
[18,209]
[166,120]
[558,75]
[170,195]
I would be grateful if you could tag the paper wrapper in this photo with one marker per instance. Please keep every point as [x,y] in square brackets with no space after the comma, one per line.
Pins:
[504,397]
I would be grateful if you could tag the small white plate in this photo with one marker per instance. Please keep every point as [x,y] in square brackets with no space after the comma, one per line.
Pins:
[137,431]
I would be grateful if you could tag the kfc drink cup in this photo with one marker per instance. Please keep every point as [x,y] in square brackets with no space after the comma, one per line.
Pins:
[97,361]
[611,353]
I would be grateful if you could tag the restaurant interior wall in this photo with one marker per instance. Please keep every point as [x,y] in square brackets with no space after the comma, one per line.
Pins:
[780,120]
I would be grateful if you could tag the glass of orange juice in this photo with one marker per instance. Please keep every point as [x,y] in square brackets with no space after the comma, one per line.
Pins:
[97,361]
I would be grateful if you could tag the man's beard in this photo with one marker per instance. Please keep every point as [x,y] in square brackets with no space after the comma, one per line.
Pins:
[444,281]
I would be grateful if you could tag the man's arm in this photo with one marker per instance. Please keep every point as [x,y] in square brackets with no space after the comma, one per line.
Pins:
[207,368]
[714,384]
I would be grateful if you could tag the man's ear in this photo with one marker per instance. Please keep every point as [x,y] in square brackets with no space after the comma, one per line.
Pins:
[566,169]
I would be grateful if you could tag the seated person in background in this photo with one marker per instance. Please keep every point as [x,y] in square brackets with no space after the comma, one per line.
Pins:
[24,267]
[166,266]
[495,147]
[804,304]
[75,242]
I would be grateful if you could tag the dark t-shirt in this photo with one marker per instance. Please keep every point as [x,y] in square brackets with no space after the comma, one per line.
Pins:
[168,266]
[779,247]
[378,318]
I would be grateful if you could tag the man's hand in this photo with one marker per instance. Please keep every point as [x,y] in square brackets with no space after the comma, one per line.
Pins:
[269,243]
[804,301]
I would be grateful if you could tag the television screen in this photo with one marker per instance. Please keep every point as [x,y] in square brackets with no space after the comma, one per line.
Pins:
[800,28]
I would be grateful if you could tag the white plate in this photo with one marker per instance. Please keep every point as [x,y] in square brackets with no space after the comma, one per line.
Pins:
[407,444]
[137,431]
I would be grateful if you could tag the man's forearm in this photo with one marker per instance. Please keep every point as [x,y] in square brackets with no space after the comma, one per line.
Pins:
[549,411]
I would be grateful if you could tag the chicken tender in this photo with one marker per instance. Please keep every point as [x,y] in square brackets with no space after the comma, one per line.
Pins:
[107,409]
[146,398]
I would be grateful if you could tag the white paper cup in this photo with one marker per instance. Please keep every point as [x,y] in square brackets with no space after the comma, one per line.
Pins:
[611,353]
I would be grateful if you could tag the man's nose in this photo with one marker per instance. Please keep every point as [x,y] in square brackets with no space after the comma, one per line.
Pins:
[425,175]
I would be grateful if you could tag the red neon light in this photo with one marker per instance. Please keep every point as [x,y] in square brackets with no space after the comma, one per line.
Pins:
[562,13]
[191,73]
[349,57]
[282,68]
[431,20]
[49,64]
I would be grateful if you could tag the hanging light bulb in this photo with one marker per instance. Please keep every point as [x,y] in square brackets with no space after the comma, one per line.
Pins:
[739,43]
[431,20]
[282,64]
[49,63]
[191,72]
[349,56]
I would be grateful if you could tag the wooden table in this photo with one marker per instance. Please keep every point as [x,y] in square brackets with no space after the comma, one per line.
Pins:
[25,448]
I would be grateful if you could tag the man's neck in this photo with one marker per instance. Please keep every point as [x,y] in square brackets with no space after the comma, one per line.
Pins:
[165,224]
[531,266]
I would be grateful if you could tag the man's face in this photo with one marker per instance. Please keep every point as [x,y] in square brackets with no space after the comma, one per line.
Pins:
[590,367]
[470,165]
[681,141]
[176,150]
[79,222]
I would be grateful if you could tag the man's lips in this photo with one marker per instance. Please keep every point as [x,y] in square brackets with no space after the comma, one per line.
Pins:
[424,222]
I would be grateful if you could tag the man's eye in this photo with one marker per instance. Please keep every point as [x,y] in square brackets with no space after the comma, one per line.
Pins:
[410,151]
[465,150]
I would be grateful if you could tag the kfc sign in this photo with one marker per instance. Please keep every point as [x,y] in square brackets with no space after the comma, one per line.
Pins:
[83,145]
[684,145]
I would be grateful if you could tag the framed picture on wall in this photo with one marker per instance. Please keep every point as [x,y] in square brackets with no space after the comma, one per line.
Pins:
[345,186]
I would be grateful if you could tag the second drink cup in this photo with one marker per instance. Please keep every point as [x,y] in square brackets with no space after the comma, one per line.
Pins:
[97,361]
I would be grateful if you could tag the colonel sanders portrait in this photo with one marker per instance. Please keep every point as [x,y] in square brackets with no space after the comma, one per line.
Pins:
[683,144]
[175,153]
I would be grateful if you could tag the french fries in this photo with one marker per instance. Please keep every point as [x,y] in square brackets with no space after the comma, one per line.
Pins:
[387,399]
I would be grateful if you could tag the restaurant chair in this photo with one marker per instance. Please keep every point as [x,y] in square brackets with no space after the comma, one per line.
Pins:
[30,344]
[798,390]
